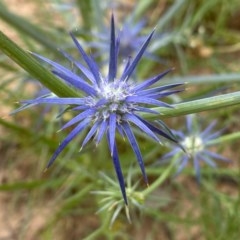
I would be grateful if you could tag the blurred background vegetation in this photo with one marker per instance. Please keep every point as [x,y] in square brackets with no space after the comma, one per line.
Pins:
[201,40]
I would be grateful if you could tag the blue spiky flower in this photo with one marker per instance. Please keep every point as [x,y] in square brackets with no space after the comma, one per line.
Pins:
[196,145]
[110,103]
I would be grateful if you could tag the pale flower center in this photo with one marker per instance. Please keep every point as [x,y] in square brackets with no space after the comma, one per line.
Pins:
[114,92]
[193,144]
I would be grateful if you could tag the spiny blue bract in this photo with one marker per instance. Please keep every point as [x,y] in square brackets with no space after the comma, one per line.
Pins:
[131,40]
[195,144]
[110,104]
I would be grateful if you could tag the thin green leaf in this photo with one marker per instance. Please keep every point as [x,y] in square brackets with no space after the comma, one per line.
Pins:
[206,104]
[34,68]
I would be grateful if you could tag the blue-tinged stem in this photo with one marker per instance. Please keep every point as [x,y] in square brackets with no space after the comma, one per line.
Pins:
[205,104]
[34,68]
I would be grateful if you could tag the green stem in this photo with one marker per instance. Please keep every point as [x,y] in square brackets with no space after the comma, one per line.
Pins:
[85,10]
[214,78]
[159,180]
[205,104]
[171,12]
[34,68]
[101,229]
[26,133]
[94,234]
[225,138]
[142,7]
[191,172]
[74,201]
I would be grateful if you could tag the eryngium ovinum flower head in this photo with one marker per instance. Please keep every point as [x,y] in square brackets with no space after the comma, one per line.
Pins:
[196,144]
[111,104]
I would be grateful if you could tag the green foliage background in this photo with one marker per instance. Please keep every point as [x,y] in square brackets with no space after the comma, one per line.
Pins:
[201,40]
